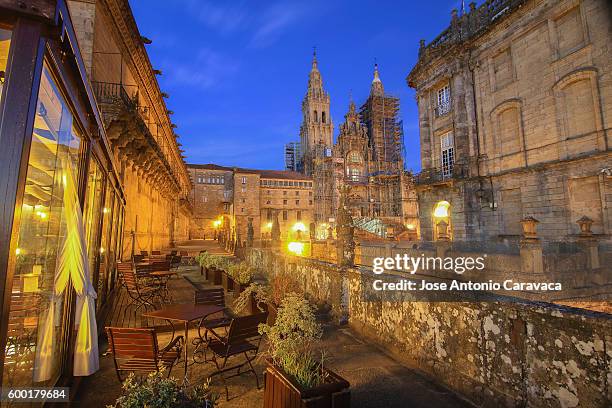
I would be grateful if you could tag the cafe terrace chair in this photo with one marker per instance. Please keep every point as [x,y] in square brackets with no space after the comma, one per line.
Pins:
[137,350]
[243,338]
[139,295]
[213,297]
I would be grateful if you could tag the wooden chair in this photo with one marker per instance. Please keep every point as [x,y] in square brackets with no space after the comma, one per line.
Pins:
[139,295]
[138,258]
[136,350]
[213,297]
[242,338]
[144,253]
[157,253]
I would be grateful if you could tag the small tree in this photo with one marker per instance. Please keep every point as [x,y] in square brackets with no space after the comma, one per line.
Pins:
[292,339]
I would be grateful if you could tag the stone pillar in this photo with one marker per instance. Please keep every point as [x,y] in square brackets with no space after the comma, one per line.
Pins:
[443,243]
[588,242]
[532,260]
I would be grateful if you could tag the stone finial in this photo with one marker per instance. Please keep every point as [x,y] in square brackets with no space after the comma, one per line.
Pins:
[454,14]
[585,224]
[472,6]
[529,225]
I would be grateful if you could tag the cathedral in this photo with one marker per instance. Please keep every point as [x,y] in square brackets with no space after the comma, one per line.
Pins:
[367,156]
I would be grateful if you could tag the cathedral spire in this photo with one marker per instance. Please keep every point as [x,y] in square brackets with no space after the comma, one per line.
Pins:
[315,82]
[377,86]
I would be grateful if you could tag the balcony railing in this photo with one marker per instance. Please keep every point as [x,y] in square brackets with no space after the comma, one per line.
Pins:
[440,174]
[109,93]
[443,108]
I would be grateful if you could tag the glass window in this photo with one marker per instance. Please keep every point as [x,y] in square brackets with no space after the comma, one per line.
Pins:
[105,244]
[93,211]
[34,345]
[5,43]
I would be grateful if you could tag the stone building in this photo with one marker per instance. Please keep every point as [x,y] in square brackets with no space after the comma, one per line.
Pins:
[368,156]
[515,105]
[138,123]
[211,198]
[227,201]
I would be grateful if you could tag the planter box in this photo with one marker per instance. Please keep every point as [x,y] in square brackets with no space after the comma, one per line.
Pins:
[227,281]
[281,391]
[272,310]
[239,288]
[214,276]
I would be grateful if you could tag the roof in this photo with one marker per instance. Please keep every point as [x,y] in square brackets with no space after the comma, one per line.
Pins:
[273,174]
[209,166]
[283,174]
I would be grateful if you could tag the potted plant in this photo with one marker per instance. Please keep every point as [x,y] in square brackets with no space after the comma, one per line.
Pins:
[215,270]
[204,259]
[158,391]
[242,273]
[252,299]
[293,369]
[226,277]
[281,284]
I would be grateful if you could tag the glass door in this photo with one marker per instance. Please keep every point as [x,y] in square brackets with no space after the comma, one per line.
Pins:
[34,349]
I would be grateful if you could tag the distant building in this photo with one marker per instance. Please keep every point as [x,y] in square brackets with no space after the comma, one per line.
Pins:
[293,156]
[226,200]
[515,101]
[211,198]
[368,156]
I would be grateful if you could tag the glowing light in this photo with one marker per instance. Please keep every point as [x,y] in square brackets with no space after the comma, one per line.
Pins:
[441,209]
[41,214]
[216,223]
[18,251]
[296,247]
[101,250]
[299,226]
[105,210]
[269,225]
[410,226]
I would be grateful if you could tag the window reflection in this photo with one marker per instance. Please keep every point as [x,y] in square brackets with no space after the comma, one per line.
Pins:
[93,212]
[5,43]
[33,349]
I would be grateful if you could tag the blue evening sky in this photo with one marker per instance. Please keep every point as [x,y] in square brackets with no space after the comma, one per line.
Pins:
[236,71]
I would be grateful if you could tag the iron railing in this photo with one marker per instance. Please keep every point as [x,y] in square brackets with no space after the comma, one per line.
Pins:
[440,174]
[443,108]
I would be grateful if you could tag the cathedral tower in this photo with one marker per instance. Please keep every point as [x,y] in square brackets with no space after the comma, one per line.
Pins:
[316,132]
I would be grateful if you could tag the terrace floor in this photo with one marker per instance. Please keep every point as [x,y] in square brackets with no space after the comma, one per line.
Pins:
[376,379]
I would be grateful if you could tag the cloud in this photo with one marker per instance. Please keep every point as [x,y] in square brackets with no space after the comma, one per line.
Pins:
[223,18]
[274,21]
[209,69]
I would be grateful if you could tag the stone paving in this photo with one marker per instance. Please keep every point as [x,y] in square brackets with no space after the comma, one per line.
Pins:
[376,379]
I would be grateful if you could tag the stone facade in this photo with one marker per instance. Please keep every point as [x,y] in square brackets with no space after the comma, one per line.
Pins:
[211,198]
[138,124]
[241,197]
[515,100]
[368,157]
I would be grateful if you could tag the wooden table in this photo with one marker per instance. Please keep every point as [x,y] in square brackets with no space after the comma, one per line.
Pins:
[185,313]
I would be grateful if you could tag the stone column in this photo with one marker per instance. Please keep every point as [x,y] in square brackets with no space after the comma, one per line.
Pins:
[588,242]
[443,243]
[532,261]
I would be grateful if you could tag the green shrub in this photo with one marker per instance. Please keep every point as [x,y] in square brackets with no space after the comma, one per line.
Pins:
[157,391]
[292,338]
[242,272]
[204,259]
[260,292]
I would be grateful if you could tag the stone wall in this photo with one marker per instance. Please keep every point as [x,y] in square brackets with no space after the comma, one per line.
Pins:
[502,353]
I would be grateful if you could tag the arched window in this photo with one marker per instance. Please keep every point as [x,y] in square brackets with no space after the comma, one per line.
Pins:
[442,221]
[316,117]
[323,116]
